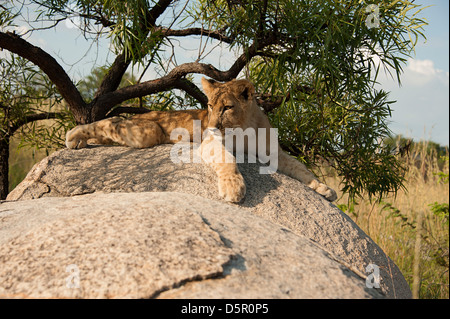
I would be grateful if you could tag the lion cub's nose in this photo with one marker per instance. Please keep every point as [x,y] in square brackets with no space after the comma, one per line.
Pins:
[212,131]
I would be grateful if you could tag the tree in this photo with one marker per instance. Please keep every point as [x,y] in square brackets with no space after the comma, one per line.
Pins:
[26,96]
[314,64]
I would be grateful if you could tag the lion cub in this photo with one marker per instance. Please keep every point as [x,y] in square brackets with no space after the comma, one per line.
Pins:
[231,105]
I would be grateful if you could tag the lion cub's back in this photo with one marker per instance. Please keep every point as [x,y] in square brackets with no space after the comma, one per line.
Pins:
[169,120]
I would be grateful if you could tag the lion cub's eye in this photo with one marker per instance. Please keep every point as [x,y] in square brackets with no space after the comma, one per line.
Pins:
[227,107]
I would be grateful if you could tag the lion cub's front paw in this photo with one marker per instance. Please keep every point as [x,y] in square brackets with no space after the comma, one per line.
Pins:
[232,187]
[75,139]
[326,192]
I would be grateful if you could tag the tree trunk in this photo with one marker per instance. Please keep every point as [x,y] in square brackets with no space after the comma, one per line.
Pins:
[4,166]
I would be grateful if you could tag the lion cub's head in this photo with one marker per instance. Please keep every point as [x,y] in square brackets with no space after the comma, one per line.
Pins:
[229,103]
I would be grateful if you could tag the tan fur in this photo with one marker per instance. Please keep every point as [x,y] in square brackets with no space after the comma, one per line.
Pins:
[231,105]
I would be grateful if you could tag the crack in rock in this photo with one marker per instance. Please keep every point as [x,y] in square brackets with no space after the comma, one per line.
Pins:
[122,249]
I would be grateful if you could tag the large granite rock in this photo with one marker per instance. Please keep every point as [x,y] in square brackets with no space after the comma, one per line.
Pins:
[160,245]
[276,198]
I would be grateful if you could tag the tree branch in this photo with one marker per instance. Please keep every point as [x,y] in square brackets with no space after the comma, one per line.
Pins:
[269,102]
[156,11]
[112,79]
[191,89]
[50,67]
[195,31]
[182,84]
[172,80]
[162,84]
[127,109]
[114,76]
[32,118]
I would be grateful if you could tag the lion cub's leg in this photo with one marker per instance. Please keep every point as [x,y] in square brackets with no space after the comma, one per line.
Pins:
[231,182]
[130,132]
[293,168]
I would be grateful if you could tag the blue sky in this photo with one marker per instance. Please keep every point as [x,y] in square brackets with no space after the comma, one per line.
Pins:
[422,108]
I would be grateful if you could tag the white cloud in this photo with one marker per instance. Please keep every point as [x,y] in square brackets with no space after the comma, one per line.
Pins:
[425,67]
[421,72]
[422,108]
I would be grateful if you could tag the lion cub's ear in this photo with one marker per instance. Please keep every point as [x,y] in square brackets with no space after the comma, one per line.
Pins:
[246,90]
[209,86]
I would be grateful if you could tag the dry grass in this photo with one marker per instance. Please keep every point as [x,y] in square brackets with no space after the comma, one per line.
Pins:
[392,224]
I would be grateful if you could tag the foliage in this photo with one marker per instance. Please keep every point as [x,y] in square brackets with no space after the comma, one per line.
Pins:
[442,209]
[438,243]
[27,95]
[393,222]
[327,70]
[127,23]
[401,145]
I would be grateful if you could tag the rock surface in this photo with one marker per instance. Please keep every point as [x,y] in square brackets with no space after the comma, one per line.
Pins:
[160,245]
[276,198]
